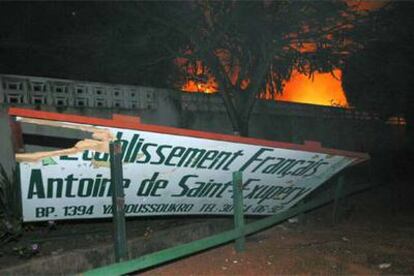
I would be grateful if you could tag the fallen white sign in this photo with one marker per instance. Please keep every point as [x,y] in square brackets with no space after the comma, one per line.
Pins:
[167,174]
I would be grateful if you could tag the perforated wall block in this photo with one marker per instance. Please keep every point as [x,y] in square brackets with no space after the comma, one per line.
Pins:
[14,85]
[37,86]
[39,93]
[81,102]
[132,104]
[61,94]
[81,91]
[38,99]
[100,96]
[15,91]
[117,93]
[131,93]
[82,95]
[12,98]
[99,91]
[149,96]
[61,101]
[117,104]
[61,89]
[132,98]
[101,103]
[117,97]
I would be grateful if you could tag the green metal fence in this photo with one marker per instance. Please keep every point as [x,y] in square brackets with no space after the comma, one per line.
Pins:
[238,234]
[118,201]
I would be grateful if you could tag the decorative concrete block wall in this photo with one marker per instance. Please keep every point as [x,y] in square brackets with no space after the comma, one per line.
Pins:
[334,127]
[38,91]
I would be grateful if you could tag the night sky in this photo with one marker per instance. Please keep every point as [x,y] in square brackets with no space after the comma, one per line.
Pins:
[96,41]
[114,42]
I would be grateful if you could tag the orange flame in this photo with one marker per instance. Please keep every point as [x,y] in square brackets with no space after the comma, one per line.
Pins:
[321,89]
[366,6]
[210,86]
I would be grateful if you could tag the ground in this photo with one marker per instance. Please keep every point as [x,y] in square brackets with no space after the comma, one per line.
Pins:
[348,248]
[370,238]
[65,236]
[375,235]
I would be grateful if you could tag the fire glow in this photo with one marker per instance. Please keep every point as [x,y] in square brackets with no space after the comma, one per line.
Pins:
[320,89]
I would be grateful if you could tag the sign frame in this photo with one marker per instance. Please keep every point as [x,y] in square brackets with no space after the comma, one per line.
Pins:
[133,124]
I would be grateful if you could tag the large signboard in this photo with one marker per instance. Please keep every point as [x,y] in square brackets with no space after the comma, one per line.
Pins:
[168,174]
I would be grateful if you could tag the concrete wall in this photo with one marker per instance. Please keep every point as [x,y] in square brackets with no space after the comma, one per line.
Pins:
[6,143]
[333,127]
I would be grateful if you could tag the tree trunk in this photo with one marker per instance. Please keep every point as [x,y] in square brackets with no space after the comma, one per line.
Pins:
[240,126]
[244,128]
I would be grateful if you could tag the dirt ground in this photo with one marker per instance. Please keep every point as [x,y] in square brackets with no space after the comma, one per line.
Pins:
[366,242]
[345,249]
[65,236]
[371,238]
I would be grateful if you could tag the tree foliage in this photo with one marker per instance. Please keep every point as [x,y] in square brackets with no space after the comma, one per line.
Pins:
[379,78]
[252,47]
[249,47]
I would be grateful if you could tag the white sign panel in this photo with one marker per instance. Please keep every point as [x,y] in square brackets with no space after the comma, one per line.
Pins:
[168,174]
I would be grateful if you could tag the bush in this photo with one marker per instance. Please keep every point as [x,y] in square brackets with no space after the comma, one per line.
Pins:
[10,206]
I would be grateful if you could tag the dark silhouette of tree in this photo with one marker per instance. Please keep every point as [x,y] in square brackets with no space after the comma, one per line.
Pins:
[252,47]
[249,47]
[379,78]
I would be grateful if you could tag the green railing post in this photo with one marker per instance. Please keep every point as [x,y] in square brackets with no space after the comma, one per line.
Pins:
[186,249]
[238,210]
[118,201]
[339,193]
